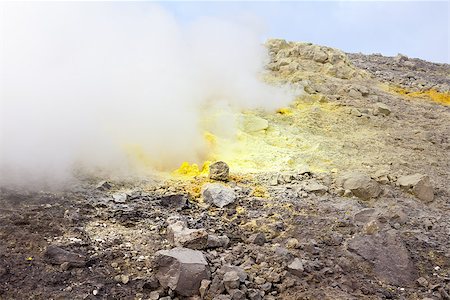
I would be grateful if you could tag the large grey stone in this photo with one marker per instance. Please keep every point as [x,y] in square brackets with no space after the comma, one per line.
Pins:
[388,255]
[219,171]
[180,235]
[182,270]
[419,185]
[360,184]
[218,194]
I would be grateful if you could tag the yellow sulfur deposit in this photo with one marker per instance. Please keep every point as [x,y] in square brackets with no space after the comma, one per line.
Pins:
[192,169]
[433,95]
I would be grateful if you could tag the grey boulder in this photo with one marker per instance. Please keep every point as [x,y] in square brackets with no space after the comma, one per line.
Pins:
[218,194]
[360,184]
[182,270]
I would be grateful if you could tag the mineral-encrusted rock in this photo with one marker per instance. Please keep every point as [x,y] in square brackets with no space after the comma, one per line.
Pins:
[219,171]
[360,184]
[296,267]
[388,255]
[180,235]
[419,185]
[182,270]
[57,256]
[218,194]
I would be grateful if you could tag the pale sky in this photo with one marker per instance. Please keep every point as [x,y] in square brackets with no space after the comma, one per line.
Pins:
[414,28]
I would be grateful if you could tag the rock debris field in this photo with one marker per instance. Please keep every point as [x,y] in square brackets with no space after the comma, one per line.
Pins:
[360,210]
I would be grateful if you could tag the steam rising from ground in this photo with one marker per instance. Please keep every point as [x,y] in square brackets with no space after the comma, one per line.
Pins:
[82,84]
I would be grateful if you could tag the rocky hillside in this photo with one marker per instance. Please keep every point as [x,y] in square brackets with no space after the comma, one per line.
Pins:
[342,195]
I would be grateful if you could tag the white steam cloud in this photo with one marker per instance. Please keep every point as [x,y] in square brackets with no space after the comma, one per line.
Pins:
[79,83]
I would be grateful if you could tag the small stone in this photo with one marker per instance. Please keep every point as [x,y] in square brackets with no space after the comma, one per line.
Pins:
[254,294]
[292,243]
[419,185]
[231,280]
[103,185]
[124,278]
[266,286]
[371,227]
[237,294]
[257,239]
[296,267]
[382,109]
[312,186]
[215,241]
[219,171]
[218,194]
[176,201]
[120,197]
[204,285]
[95,292]
[154,295]
[179,235]
[240,272]
[259,280]
[114,264]
[422,282]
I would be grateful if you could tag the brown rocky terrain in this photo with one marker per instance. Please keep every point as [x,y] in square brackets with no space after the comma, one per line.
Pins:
[360,210]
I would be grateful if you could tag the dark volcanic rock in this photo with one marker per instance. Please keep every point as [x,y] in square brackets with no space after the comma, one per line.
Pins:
[57,256]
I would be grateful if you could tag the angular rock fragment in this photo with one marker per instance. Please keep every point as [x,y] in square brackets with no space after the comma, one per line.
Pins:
[182,270]
[103,185]
[257,239]
[217,241]
[296,267]
[180,235]
[360,184]
[387,253]
[219,171]
[419,185]
[204,285]
[240,272]
[382,109]
[218,194]
[57,256]
[231,280]
[176,201]
[312,186]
